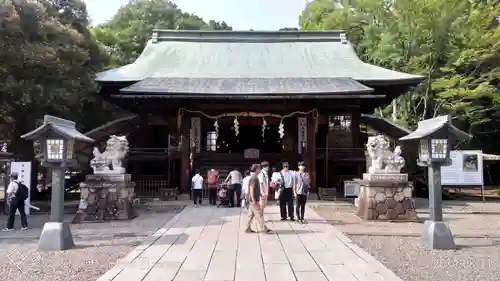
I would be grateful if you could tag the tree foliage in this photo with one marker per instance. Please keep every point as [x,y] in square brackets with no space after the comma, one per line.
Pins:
[47,63]
[125,35]
[453,47]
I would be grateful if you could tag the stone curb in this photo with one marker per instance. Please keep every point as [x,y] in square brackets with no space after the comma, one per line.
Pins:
[386,234]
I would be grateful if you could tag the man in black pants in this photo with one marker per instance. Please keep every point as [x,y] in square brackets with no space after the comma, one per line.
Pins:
[287,184]
[15,204]
[197,186]
[302,186]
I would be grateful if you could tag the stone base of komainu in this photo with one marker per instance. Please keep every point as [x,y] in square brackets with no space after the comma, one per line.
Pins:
[386,197]
[106,197]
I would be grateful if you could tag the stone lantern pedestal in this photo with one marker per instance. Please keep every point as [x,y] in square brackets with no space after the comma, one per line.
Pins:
[385,197]
[107,194]
[106,197]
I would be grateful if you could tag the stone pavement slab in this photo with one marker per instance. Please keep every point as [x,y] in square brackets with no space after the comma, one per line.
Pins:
[209,244]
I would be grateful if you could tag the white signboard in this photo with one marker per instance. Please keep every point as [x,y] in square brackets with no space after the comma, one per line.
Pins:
[23,169]
[466,168]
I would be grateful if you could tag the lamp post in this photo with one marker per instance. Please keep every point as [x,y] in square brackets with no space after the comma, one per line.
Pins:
[57,139]
[435,137]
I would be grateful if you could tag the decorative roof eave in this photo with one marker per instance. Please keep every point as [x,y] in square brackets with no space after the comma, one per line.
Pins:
[430,126]
[60,126]
[382,125]
[246,96]
[409,81]
[248,86]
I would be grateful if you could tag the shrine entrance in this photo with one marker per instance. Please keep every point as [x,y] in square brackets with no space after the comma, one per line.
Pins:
[266,140]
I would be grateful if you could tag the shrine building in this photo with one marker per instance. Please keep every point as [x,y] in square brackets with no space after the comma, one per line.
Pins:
[225,99]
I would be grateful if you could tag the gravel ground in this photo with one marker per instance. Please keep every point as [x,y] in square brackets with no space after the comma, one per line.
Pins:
[399,246]
[98,248]
[407,257]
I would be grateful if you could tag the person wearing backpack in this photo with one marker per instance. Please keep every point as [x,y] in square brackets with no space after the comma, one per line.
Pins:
[17,193]
[302,187]
[212,179]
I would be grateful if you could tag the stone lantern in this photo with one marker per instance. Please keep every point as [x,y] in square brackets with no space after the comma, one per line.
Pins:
[56,138]
[434,138]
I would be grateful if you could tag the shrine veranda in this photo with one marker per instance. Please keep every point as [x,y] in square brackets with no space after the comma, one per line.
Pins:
[226,99]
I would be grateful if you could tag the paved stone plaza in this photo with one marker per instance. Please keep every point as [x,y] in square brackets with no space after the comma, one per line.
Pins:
[207,243]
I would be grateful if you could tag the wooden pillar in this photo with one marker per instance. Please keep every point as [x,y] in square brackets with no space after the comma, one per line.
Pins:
[311,151]
[356,135]
[184,151]
[356,140]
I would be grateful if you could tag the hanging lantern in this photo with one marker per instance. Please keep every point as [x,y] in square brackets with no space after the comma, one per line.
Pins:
[281,129]
[264,124]
[236,126]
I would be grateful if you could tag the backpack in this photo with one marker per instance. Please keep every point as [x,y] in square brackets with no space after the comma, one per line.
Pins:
[212,177]
[22,191]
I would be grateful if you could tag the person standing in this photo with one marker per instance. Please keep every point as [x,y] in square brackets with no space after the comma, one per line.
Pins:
[197,186]
[244,189]
[254,211]
[17,193]
[264,184]
[234,181]
[212,180]
[286,192]
[275,184]
[302,187]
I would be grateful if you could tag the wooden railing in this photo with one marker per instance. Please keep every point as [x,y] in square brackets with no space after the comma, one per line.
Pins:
[154,187]
[151,153]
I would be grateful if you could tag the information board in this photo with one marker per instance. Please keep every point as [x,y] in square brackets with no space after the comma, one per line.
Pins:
[466,168]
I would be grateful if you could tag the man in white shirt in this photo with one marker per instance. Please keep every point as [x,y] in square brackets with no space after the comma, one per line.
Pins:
[197,186]
[15,204]
[287,187]
[234,183]
[264,184]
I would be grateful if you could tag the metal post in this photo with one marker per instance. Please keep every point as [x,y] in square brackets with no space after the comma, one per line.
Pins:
[437,233]
[56,234]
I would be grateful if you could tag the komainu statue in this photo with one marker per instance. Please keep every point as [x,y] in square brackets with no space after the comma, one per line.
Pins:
[381,159]
[112,157]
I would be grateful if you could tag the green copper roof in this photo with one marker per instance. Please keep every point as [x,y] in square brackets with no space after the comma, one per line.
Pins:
[251,54]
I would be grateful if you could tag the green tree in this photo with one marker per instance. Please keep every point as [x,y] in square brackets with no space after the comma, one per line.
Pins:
[452,47]
[124,36]
[47,64]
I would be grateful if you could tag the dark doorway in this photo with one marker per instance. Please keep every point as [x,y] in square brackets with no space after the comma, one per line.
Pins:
[250,136]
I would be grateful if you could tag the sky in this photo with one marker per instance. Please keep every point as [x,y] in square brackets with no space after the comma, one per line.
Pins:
[240,14]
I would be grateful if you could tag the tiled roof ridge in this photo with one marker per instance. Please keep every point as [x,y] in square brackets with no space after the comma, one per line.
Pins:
[160,35]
